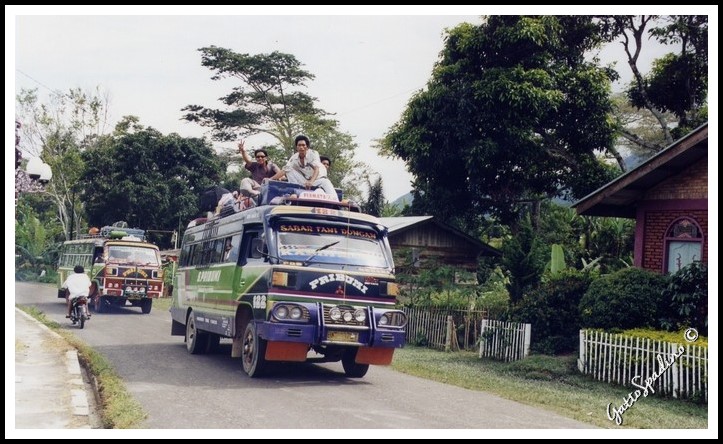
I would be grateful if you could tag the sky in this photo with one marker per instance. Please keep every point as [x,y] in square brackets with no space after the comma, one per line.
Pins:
[367,65]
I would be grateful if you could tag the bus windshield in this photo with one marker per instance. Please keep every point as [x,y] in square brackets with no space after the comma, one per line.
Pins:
[313,243]
[133,255]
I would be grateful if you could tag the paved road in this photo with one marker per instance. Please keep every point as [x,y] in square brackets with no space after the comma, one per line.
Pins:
[183,391]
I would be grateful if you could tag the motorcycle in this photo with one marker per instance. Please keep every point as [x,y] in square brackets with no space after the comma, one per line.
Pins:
[79,310]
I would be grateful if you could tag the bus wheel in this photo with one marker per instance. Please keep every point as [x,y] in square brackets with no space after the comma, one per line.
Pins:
[146,306]
[196,341]
[254,351]
[351,368]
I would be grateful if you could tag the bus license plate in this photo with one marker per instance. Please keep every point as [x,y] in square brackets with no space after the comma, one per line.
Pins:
[343,336]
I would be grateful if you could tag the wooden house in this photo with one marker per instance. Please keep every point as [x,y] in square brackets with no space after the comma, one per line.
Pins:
[420,241]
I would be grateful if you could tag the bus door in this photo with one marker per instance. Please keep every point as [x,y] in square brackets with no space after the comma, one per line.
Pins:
[251,263]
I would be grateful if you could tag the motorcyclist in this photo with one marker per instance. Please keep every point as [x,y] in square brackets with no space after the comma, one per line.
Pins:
[77,284]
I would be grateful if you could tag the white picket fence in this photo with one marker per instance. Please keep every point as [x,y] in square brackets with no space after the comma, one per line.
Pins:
[505,341]
[680,370]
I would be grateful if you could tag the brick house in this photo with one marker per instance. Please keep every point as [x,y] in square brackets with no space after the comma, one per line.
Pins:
[668,197]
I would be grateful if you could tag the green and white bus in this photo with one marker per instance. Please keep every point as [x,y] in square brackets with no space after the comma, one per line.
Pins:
[302,279]
[122,266]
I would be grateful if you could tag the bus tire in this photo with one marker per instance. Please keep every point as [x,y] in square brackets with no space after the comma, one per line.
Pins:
[254,351]
[146,305]
[351,368]
[196,341]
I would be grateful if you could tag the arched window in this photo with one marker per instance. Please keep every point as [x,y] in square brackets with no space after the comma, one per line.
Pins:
[683,244]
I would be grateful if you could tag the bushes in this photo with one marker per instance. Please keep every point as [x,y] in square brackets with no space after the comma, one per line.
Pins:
[628,298]
[687,294]
[552,309]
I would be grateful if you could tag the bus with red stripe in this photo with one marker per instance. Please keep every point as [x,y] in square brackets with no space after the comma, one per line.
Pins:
[123,267]
[302,279]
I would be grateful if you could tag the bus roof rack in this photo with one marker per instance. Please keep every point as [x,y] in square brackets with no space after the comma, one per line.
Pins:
[113,232]
[275,192]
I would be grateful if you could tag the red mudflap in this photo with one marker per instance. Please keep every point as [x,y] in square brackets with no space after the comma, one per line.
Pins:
[374,356]
[286,351]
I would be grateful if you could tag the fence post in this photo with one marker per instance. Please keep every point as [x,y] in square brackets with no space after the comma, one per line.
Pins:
[448,339]
[528,334]
[581,358]
[675,370]
[483,328]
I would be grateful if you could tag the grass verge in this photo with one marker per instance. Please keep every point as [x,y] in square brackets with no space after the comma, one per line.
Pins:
[552,383]
[117,408]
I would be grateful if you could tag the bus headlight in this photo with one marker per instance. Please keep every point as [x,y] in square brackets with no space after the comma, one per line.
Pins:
[284,311]
[393,319]
[281,312]
[335,314]
[360,315]
[296,312]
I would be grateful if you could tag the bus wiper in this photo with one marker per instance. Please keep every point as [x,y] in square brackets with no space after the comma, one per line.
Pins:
[306,262]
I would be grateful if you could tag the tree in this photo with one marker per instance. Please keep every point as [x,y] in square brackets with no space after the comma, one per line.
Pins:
[267,101]
[677,83]
[512,112]
[638,124]
[147,179]
[523,258]
[270,100]
[375,201]
[58,131]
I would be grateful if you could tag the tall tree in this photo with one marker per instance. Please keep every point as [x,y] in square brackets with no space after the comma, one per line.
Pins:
[270,100]
[677,83]
[147,179]
[58,130]
[267,101]
[374,204]
[513,112]
[640,131]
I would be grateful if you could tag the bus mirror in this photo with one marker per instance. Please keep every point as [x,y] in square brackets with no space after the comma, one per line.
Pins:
[257,248]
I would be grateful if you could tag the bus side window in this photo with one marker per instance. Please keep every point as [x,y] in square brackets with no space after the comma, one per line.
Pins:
[231,248]
[209,251]
[197,253]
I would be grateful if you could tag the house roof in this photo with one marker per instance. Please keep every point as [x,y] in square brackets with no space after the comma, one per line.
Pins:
[618,198]
[398,225]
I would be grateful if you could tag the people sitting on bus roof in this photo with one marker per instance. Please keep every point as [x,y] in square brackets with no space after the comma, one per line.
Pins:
[326,163]
[262,169]
[304,168]
[226,205]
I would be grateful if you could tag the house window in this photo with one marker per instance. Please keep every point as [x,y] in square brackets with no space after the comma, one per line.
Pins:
[683,244]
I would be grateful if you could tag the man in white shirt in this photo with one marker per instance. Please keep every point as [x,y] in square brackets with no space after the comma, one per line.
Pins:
[305,168]
[77,284]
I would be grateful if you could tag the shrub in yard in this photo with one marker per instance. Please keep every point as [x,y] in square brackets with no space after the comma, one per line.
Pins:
[628,298]
[687,294]
[552,309]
